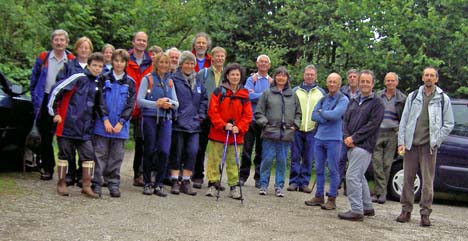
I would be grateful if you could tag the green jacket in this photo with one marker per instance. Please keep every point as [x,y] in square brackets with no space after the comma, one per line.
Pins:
[206,76]
[307,101]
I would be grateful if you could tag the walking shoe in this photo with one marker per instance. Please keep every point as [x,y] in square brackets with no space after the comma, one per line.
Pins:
[279,192]
[175,189]
[147,189]
[115,192]
[369,212]
[382,199]
[187,188]
[315,201]
[234,193]
[330,205]
[138,181]
[46,176]
[257,184]
[425,222]
[219,186]
[350,216]
[197,183]
[158,191]
[292,187]
[263,191]
[404,217]
[211,191]
[305,189]
[374,198]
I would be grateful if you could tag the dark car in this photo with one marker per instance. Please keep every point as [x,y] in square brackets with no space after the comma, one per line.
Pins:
[451,173]
[16,119]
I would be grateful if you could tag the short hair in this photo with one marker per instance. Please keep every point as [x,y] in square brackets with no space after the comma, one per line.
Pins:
[310,66]
[122,53]
[351,71]
[186,56]
[263,55]
[173,49]
[230,68]
[369,72]
[218,49]
[158,57]
[97,56]
[281,70]
[59,32]
[155,49]
[434,68]
[339,77]
[107,46]
[202,34]
[394,74]
[82,40]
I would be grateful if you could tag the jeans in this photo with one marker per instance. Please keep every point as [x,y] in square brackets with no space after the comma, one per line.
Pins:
[327,151]
[356,182]
[273,149]
[301,149]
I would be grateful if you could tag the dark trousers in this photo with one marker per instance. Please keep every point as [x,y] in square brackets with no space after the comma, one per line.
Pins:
[302,156]
[46,129]
[138,155]
[203,142]
[342,162]
[251,139]
[184,150]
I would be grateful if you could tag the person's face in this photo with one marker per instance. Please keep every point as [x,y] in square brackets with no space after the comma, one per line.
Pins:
[95,67]
[366,84]
[281,79]
[84,50]
[333,84]
[174,56]
[234,77]
[162,65]
[201,45]
[59,42]
[353,80]
[107,55]
[263,65]
[390,82]
[430,77]
[219,58]
[140,42]
[119,64]
[310,76]
[187,67]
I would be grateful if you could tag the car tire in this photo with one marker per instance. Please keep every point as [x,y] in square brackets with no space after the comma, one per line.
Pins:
[396,180]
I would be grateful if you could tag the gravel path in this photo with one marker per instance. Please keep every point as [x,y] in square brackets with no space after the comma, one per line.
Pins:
[35,212]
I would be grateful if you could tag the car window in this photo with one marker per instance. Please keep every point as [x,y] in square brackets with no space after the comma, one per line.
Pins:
[460,114]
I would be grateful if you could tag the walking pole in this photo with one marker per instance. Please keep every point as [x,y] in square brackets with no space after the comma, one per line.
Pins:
[223,160]
[238,169]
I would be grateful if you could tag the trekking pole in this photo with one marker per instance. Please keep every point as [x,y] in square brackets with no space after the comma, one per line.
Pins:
[238,169]
[223,160]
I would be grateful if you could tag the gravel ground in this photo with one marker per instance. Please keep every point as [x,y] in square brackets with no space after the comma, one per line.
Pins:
[35,212]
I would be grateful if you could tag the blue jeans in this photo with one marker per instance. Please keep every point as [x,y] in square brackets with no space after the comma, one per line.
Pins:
[273,149]
[327,151]
[301,148]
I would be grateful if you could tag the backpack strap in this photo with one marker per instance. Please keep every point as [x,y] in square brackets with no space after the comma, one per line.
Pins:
[44,57]
[150,83]
[442,101]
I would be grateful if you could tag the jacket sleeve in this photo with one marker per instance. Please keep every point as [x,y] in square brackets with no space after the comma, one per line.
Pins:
[246,118]
[346,119]
[260,116]
[376,116]
[404,120]
[202,111]
[249,85]
[447,122]
[36,72]
[59,88]
[298,112]
[213,113]
[316,115]
[336,113]
[128,108]
[141,101]
[174,101]
[101,109]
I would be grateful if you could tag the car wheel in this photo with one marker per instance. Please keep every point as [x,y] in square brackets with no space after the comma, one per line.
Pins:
[396,180]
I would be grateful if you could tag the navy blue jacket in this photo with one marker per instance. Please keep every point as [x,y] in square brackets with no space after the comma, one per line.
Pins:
[69,68]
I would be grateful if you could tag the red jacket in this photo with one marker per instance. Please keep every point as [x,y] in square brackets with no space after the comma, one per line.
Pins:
[226,106]
[137,73]
[207,63]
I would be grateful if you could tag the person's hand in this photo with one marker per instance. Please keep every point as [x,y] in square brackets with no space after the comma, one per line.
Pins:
[349,142]
[117,128]
[401,150]
[57,119]
[235,130]
[228,127]
[107,126]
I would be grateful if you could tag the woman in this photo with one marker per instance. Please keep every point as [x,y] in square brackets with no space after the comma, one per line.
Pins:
[157,100]
[193,103]
[107,51]
[230,113]
[279,113]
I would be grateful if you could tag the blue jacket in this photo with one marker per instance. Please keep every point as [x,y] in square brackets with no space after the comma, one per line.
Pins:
[69,69]
[193,104]
[146,98]
[38,79]
[328,113]
[75,100]
[256,89]
[116,102]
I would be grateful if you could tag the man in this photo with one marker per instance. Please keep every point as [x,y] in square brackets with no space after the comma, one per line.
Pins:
[43,77]
[309,94]
[174,54]
[256,84]
[360,127]
[139,65]
[211,77]
[382,158]
[426,121]
[328,114]
[200,45]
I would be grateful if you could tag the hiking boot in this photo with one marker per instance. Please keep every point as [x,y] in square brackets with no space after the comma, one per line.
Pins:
[211,191]
[330,205]
[305,189]
[279,192]
[219,186]
[315,201]
[187,188]
[292,187]
[425,222]
[138,181]
[62,166]
[404,217]
[115,192]
[369,212]
[197,183]
[175,189]
[158,191]
[147,189]
[263,191]
[382,199]
[374,198]
[350,216]
[234,193]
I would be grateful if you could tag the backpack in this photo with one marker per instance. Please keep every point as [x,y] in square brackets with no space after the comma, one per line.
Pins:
[149,76]
[222,91]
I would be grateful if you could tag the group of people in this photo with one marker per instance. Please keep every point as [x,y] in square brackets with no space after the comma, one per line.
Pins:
[181,102]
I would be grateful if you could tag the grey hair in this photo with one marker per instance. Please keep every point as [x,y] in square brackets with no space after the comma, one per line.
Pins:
[202,34]
[310,66]
[59,32]
[186,56]
[173,49]
[263,55]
